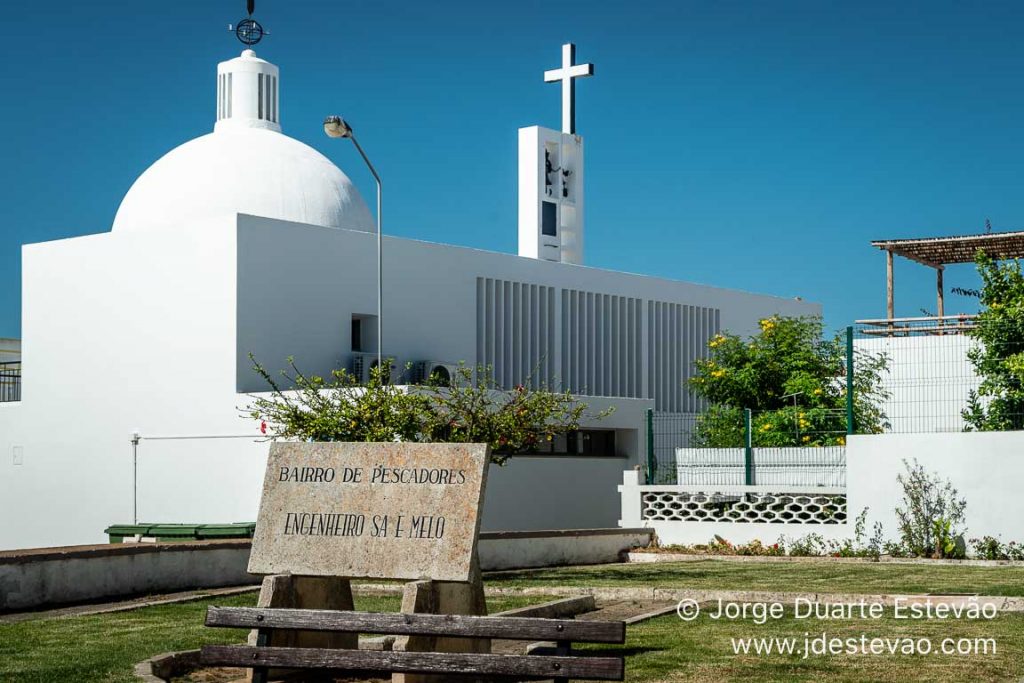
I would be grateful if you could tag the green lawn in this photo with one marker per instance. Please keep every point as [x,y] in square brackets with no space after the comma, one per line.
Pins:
[106,647]
[820,577]
[668,649]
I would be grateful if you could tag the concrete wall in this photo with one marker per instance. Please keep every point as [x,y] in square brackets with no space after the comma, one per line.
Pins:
[70,575]
[530,493]
[676,532]
[54,576]
[519,549]
[987,468]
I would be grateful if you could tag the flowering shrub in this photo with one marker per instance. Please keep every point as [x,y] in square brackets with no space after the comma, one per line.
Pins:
[815,545]
[990,548]
[788,359]
[720,546]
[468,410]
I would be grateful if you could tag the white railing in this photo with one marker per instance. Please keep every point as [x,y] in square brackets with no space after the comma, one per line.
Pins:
[782,466]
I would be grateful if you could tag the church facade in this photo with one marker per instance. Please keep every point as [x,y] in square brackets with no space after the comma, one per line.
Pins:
[136,342]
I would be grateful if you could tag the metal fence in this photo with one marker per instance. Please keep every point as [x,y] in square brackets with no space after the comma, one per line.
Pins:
[791,447]
[931,382]
[10,381]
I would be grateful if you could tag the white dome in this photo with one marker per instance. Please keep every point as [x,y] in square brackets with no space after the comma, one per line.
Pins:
[246,170]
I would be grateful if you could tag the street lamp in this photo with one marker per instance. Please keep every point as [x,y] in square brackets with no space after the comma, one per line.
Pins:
[336,127]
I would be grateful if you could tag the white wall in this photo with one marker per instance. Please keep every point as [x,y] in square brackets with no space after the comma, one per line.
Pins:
[298,287]
[125,331]
[986,467]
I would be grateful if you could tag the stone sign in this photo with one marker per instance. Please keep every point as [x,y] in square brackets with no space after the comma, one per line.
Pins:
[373,510]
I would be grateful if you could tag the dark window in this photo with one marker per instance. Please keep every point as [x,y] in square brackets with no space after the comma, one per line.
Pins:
[549,222]
[357,334]
[592,442]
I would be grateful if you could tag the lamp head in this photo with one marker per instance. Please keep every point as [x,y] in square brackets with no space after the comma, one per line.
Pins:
[335,127]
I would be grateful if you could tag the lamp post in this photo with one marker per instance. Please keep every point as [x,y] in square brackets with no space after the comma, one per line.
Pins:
[336,127]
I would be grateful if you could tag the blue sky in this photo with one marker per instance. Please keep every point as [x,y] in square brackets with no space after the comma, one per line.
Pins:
[757,146]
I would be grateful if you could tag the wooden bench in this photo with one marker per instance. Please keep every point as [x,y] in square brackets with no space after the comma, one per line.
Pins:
[560,664]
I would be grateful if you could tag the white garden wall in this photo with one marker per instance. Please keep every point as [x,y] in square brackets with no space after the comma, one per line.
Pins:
[987,468]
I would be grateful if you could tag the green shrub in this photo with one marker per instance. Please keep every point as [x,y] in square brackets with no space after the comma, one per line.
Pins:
[998,404]
[931,514]
[467,410]
[787,359]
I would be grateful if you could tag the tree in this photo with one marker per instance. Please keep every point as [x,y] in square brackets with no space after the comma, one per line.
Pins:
[793,381]
[998,359]
[465,410]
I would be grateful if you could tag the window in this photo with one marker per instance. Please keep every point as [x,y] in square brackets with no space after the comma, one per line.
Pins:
[549,219]
[357,334]
[590,442]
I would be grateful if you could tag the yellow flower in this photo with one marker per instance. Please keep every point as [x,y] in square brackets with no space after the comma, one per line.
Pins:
[716,341]
[806,439]
[841,441]
[766,427]
[718,373]
[817,392]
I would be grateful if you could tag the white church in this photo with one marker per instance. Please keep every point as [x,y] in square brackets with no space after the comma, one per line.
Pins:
[136,340]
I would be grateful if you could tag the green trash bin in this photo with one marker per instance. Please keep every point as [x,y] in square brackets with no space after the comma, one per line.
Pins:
[165,533]
[118,532]
[224,531]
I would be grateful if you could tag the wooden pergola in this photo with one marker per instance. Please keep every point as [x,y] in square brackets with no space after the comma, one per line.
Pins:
[938,252]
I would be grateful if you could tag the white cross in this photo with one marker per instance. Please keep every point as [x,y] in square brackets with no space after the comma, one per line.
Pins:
[567,75]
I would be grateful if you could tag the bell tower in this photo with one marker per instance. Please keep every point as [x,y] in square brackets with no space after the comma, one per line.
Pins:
[551,176]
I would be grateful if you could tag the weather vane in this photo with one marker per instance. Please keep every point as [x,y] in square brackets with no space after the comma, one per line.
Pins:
[248,30]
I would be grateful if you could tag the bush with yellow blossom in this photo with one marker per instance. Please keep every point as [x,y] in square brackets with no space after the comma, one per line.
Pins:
[788,358]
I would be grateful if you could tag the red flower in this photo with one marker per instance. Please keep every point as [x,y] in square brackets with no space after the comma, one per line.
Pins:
[775,547]
[263,427]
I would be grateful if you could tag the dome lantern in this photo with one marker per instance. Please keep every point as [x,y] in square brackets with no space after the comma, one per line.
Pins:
[247,93]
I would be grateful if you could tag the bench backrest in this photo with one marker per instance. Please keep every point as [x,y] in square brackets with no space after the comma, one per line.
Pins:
[562,665]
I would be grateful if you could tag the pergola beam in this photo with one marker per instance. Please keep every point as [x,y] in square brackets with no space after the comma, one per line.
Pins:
[937,252]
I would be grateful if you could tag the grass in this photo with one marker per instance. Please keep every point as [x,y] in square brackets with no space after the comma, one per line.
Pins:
[820,577]
[106,647]
[668,649]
